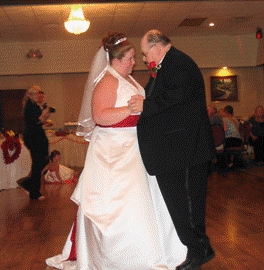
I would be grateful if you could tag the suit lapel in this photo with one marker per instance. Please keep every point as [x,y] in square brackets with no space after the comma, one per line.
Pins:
[150,89]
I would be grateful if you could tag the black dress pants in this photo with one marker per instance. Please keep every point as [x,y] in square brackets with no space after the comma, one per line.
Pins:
[39,155]
[184,192]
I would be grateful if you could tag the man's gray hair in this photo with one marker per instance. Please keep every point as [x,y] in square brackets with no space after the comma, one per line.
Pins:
[155,36]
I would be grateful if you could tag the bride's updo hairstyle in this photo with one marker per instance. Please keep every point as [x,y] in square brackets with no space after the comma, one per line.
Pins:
[116,44]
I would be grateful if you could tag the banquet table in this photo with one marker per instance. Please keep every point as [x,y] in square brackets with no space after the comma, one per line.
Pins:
[73,152]
[72,148]
[10,173]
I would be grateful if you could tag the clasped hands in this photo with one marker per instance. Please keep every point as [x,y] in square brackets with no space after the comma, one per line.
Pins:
[135,104]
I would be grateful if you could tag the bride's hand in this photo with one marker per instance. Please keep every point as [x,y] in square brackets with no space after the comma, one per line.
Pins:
[135,104]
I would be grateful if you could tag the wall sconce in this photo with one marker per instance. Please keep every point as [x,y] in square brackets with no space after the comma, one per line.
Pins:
[76,23]
[34,53]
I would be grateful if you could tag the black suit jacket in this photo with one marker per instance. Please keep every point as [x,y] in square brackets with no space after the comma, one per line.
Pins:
[174,131]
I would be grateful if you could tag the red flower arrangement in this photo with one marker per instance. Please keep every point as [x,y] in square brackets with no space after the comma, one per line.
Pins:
[153,69]
[10,144]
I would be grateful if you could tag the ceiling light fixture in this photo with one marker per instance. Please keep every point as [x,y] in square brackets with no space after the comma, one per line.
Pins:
[76,23]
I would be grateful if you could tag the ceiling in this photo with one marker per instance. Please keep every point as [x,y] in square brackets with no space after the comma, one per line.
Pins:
[40,23]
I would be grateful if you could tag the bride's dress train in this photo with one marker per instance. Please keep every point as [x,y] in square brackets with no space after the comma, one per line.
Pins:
[163,251]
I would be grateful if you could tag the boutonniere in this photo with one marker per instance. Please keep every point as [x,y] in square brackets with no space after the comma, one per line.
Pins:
[153,67]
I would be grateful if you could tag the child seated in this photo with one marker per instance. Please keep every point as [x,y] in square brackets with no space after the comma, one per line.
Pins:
[55,173]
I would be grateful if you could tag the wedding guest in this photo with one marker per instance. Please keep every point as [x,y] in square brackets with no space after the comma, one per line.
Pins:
[219,163]
[214,117]
[232,137]
[55,173]
[35,140]
[257,134]
[43,105]
[41,101]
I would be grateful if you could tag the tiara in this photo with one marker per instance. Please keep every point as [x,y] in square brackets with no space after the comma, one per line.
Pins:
[120,40]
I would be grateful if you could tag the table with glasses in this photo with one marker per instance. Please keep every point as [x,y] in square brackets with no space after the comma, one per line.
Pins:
[73,152]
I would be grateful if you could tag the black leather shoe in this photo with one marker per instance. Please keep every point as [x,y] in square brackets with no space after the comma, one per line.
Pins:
[208,254]
[196,263]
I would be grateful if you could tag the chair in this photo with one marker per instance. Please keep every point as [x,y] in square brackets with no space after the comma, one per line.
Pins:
[235,155]
[245,129]
[219,140]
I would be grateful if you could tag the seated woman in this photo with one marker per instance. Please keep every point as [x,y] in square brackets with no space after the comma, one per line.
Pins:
[216,120]
[232,137]
[55,173]
[257,134]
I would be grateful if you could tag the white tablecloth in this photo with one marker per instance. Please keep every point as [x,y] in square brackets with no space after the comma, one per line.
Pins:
[72,148]
[10,173]
[73,152]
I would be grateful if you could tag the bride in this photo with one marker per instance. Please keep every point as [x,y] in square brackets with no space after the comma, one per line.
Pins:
[122,221]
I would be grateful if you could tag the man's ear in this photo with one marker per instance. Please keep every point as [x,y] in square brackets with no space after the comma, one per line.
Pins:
[161,49]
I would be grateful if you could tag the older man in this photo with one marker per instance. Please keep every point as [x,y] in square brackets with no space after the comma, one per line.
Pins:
[175,140]
[214,117]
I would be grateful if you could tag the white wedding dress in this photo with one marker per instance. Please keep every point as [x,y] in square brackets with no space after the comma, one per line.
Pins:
[122,219]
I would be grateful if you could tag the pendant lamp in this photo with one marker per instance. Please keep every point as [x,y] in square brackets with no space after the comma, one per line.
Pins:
[76,23]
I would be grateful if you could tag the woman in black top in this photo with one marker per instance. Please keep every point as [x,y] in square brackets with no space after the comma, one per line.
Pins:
[257,134]
[35,140]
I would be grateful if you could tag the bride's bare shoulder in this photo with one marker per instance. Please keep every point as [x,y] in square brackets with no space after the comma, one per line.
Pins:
[108,78]
[107,82]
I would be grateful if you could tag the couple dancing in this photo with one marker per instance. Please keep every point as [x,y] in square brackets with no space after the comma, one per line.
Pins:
[129,208]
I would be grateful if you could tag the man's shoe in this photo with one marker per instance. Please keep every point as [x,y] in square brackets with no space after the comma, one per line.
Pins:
[196,263]
[209,254]
[190,264]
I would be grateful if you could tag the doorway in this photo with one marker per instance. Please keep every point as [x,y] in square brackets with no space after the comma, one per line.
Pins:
[11,109]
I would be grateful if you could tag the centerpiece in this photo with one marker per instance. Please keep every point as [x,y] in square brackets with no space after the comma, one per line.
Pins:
[11,147]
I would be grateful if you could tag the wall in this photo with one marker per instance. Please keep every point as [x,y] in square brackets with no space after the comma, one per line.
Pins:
[62,72]
[65,91]
[250,89]
[76,56]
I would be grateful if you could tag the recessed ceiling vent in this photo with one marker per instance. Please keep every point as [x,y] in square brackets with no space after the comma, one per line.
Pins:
[192,22]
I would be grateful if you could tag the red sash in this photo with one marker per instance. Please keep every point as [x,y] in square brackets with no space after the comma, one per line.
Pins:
[130,121]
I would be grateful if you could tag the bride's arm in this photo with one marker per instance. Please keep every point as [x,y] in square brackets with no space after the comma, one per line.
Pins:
[103,102]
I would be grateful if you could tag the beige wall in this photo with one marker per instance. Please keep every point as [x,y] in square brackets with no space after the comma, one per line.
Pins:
[65,91]
[250,88]
[76,56]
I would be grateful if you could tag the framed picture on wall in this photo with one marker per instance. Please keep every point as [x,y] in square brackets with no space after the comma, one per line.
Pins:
[224,88]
